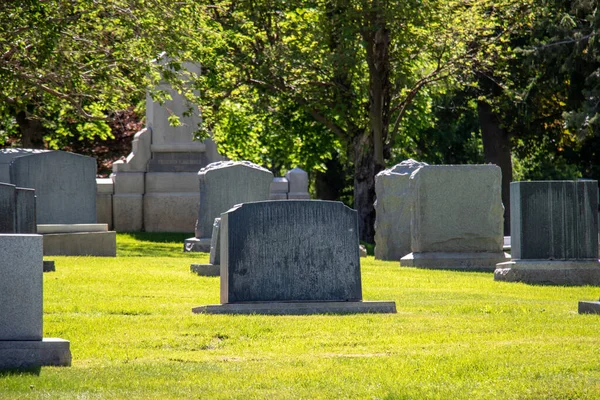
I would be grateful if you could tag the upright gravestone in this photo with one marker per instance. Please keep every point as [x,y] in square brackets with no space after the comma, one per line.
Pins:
[222,185]
[64,183]
[17,209]
[457,218]
[393,210]
[554,234]
[298,181]
[21,341]
[291,257]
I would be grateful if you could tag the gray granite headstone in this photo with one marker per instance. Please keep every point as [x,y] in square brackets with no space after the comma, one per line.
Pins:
[25,211]
[7,208]
[224,184]
[393,210]
[290,251]
[554,220]
[20,287]
[8,155]
[65,185]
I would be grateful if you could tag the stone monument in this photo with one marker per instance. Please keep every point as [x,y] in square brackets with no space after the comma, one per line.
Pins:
[155,189]
[223,185]
[457,218]
[554,234]
[393,210]
[291,257]
[22,345]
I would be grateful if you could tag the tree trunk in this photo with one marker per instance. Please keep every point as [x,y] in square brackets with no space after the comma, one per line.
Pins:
[32,131]
[330,184]
[496,149]
[364,188]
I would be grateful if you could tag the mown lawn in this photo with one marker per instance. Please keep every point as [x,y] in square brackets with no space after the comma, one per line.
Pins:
[456,335]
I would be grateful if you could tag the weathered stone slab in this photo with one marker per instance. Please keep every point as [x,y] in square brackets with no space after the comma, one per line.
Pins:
[393,209]
[300,308]
[225,184]
[457,218]
[26,221]
[290,251]
[26,354]
[8,212]
[20,287]
[550,272]
[65,185]
[554,220]
[8,155]
[99,244]
[458,208]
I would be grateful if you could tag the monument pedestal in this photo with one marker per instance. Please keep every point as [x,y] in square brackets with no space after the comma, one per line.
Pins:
[550,272]
[78,240]
[483,261]
[300,307]
[197,245]
[26,354]
[206,269]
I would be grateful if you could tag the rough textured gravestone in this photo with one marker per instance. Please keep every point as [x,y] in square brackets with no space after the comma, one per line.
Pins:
[457,218]
[393,210]
[21,309]
[213,268]
[554,233]
[222,185]
[65,185]
[291,251]
[8,155]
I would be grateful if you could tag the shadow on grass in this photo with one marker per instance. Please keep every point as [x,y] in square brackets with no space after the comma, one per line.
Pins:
[160,237]
[21,371]
[152,244]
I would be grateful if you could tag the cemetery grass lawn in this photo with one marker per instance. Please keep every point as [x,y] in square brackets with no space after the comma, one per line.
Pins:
[457,335]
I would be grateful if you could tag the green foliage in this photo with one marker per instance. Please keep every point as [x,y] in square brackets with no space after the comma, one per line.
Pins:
[69,62]
[456,335]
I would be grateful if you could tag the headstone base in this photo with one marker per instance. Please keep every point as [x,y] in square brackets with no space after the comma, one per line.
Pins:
[17,354]
[550,272]
[99,244]
[300,308]
[206,269]
[196,245]
[589,307]
[454,261]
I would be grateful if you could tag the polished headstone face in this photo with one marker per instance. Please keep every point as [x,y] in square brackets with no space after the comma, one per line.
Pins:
[227,183]
[293,250]
[65,185]
[457,208]
[554,220]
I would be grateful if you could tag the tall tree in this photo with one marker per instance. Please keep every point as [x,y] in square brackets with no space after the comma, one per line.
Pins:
[353,66]
[69,61]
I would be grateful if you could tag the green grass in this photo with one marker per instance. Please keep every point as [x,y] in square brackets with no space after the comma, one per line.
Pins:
[456,335]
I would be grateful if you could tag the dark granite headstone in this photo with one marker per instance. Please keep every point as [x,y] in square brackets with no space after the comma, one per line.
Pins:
[65,185]
[25,211]
[290,251]
[554,220]
[7,208]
